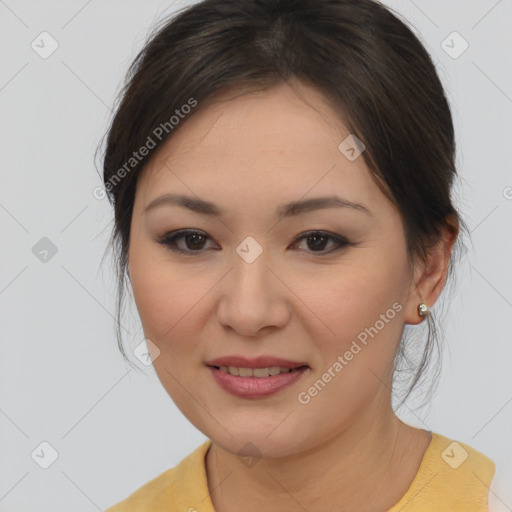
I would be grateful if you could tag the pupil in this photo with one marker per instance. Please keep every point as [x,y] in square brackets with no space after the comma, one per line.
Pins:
[316,238]
[193,243]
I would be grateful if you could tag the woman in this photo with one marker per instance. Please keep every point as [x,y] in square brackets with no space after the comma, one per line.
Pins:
[281,174]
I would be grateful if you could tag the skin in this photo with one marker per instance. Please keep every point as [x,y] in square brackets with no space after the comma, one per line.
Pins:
[248,154]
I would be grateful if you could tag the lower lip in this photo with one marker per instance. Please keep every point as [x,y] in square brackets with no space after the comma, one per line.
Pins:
[255,387]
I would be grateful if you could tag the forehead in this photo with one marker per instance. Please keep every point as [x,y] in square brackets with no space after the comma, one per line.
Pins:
[278,144]
[269,121]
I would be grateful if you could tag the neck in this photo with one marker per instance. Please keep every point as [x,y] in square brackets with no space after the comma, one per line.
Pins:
[368,466]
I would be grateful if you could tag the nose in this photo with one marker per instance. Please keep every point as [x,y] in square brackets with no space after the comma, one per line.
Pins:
[253,298]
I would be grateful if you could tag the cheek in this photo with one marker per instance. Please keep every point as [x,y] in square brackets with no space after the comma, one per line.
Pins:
[364,312]
[355,299]
[361,310]
[165,298]
[168,305]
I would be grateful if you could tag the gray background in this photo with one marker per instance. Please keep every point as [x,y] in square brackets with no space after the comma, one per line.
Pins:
[62,379]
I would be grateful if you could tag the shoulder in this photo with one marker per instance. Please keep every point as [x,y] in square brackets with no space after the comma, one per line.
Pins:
[453,474]
[161,493]
[458,458]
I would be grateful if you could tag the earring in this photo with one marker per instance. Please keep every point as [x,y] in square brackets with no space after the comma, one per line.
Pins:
[422,309]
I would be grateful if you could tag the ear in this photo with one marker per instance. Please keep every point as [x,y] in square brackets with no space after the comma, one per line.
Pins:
[430,276]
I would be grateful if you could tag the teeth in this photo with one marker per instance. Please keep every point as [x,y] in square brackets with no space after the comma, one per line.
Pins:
[254,372]
[245,372]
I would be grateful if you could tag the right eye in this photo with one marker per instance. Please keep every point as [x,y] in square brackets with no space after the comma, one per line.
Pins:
[194,241]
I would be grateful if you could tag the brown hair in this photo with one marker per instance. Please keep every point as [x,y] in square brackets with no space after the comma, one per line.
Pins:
[366,62]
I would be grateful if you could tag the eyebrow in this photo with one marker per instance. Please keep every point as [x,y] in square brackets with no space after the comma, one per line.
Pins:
[287,210]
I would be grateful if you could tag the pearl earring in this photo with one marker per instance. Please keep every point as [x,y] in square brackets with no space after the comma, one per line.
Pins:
[422,309]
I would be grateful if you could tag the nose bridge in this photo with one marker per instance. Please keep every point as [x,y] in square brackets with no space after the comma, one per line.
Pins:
[251,277]
[252,296]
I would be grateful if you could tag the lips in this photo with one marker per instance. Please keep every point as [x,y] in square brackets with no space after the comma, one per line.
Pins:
[257,362]
[256,387]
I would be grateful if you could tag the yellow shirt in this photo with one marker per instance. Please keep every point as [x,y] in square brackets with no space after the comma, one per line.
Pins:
[453,477]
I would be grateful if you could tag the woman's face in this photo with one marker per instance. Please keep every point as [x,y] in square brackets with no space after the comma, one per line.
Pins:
[251,284]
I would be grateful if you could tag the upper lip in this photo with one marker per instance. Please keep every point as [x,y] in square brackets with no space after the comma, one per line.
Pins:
[257,362]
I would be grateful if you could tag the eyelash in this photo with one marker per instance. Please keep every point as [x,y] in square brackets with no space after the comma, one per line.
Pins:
[169,241]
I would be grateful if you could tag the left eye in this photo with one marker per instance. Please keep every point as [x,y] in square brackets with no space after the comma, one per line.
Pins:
[194,241]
